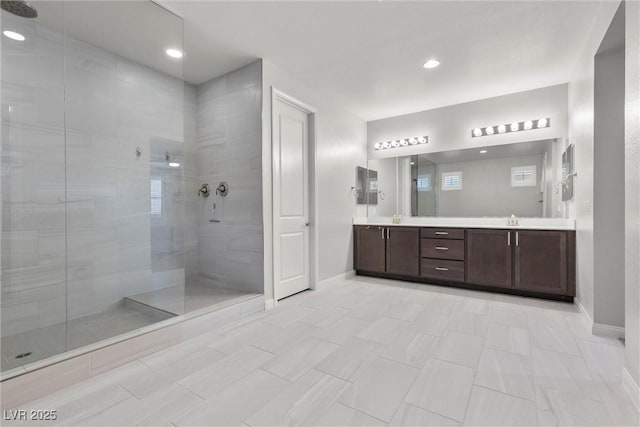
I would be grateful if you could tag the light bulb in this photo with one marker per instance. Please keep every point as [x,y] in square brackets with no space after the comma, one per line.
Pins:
[528,125]
[477,132]
[413,141]
[13,35]
[395,143]
[489,130]
[174,53]
[542,123]
[386,144]
[422,140]
[404,142]
[515,127]
[378,146]
[502,129]
[430,64]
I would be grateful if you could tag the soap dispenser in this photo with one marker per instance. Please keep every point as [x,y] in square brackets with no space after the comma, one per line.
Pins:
[512,220]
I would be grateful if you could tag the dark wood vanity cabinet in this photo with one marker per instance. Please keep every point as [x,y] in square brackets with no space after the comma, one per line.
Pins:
[489,257]
[392,250]
[527,262]
[541,262]
[370,249]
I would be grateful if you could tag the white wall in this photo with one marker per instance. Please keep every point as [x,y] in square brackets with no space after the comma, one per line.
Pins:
[632,189]
[581,116]
[608,179]
[340,147]
[387,170]
[450,128]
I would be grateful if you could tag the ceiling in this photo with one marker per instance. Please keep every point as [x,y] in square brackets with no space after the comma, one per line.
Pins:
[370,54]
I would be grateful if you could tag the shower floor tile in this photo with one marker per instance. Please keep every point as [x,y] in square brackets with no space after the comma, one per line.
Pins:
[185,299]
[58,338]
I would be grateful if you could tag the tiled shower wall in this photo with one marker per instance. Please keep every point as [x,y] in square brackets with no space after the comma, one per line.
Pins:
[229,148]
[113,105]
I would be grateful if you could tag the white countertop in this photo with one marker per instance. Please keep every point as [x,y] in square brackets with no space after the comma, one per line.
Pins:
[488,222]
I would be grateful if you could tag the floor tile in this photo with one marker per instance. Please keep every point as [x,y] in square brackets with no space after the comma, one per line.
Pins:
[574,410]
[404,311]
[324,317]
[469,323]
[549,338]
[563,372]
[236,403]
[342,330]
[409,415]
[340,415]
[379,389]
[347,361]
[431,323]
[301,403]
[508,338]
[492,408]
[603,359]
[443,388]
[211,381]
[277,340]
[383,330]
[287,316]
[507,314]
[506,372]
[459,348]
[299,358]
[369,309]
[412,348]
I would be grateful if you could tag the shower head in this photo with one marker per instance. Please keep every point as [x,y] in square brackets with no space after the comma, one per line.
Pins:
[19,8]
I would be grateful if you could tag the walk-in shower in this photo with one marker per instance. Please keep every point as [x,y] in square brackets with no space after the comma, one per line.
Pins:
[104,148]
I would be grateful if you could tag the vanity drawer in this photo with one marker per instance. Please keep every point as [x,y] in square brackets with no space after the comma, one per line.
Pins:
[442,233]
[442,248]
[442,269]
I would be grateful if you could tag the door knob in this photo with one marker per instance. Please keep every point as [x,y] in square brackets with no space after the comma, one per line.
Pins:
[306,224]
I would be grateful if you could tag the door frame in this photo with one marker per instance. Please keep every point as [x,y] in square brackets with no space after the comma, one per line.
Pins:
[278,95]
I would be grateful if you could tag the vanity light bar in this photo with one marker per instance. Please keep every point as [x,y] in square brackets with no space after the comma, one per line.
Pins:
[401,142]
[511,127]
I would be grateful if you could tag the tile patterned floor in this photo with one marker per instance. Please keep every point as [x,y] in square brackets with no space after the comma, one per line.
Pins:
[371,352]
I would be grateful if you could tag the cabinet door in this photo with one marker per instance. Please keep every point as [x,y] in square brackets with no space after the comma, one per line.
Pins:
[488,258]
[403,251]
[541,261]
[370,248]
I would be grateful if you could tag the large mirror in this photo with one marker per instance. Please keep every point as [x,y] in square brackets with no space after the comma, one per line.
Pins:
[495,181]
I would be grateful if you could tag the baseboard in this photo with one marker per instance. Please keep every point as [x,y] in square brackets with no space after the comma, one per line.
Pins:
[583,310]
[607,330]
[599,328]
[632,387]
[345,275]
[269,304]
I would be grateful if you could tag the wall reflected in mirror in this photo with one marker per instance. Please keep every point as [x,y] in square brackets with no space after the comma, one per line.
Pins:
[496,181]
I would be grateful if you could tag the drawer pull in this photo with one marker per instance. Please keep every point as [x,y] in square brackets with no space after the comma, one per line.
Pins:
[441,233]
[442,269]
[441,248]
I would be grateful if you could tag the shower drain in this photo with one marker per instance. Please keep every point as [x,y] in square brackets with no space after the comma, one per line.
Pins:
[21,355]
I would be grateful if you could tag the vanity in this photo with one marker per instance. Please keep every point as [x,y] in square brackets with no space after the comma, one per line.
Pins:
[533,261]
[451,220]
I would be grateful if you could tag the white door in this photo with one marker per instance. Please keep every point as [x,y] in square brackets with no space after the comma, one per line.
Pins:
[290,198]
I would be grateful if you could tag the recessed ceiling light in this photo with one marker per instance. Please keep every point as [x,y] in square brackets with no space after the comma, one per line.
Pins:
[174,53]
[13,35]
[432,63]
[483,151]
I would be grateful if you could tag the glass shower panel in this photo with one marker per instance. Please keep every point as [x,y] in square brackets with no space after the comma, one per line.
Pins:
[125,187]
[33,262]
